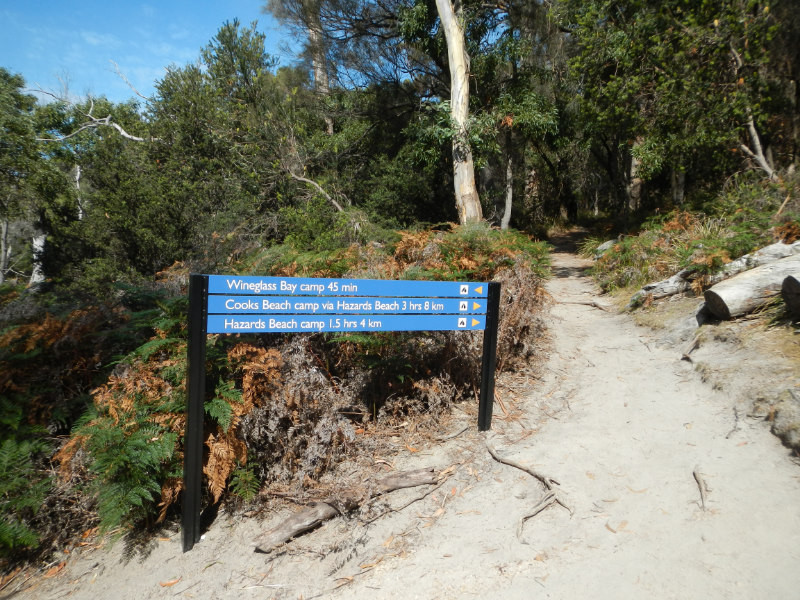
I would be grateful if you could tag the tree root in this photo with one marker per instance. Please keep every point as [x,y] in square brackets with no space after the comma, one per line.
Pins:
[552,496]
[591,303]
[318,512]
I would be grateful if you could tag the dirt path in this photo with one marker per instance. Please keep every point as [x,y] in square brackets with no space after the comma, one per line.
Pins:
[621,423]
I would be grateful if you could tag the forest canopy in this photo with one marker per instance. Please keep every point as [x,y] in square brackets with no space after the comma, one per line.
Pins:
[571,108]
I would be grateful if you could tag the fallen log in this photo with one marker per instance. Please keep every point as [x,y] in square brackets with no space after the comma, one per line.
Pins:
[319,512]
[790,290]
[682,281]
[747,291]
[676,284]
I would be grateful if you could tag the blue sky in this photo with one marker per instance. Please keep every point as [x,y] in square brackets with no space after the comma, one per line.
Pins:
[49,41]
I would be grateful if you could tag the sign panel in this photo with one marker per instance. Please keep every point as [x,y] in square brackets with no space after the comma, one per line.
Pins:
[232,304]
[342,305]
[307,286]
[342,323]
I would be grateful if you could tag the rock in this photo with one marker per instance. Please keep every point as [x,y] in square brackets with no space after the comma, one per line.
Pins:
[786,418]
[603,248]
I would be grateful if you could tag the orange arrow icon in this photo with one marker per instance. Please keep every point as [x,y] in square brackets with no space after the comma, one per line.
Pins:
[475,322]
[479,290]
[475,306]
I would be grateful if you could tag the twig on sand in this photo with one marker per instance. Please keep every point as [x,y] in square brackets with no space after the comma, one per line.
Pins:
[455,435]
[701,484]
[735,423]
[406,505]
[344,502]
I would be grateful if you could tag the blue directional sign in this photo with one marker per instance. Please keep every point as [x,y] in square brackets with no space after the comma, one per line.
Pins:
[342,323]
[307,286]
[234,304]
[343,305]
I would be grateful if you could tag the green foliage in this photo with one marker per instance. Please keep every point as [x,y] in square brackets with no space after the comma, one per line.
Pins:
[131,458]
[737,222]
[244,483]
[475,252]
[219,408]
[22,490]
[634,260]
[317,226]
[672,84]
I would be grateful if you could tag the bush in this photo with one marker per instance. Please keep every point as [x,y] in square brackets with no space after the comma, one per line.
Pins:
[285,408]
[22,490]
[739,221]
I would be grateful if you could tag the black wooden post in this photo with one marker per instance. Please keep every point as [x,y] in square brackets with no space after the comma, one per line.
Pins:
[196,388]
[489,357]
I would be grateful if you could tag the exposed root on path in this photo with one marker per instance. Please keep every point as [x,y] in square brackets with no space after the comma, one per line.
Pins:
[552,496]
[591,303]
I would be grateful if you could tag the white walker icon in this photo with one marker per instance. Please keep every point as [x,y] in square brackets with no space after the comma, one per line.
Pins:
[462,306]
[462,322]
[464,290]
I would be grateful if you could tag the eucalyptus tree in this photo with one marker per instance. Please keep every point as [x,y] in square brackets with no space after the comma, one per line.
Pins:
[358,42]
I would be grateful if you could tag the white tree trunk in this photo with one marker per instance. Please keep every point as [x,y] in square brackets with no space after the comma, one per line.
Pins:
[321,82]
[506,221]
[5,249]
[678,181]
[635,182]
[77,179]
[468,202]
[37,275]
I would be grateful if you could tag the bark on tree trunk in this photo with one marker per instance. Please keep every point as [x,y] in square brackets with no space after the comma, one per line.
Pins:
[746,292]
[37,275]
[5,249]
[77,179]
[635,183]
[678,181]
[506,221]
[468,202]
[318,60]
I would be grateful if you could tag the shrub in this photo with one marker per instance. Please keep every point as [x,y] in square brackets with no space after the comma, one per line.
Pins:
[22,490]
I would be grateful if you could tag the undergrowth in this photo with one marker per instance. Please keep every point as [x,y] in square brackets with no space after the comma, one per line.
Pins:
[280,409]
[748,216]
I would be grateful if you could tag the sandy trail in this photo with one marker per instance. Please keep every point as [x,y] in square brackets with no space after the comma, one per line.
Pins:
[620,422]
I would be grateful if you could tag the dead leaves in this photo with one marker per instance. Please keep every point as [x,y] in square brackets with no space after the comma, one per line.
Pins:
[622,525]
[225,449]
[54,571]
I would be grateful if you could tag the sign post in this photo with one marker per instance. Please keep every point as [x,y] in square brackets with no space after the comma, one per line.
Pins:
[250,304]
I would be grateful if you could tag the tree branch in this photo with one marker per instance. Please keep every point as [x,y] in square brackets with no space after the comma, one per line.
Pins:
[128,83]
[317,187]
[92,123]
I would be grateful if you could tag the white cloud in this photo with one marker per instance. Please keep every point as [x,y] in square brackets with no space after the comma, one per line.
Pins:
[179,33]
[99,39]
